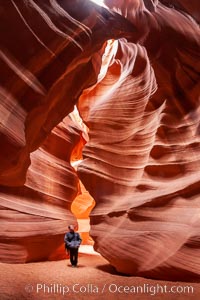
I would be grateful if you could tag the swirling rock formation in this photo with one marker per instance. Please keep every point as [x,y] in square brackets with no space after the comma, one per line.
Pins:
[139,97]
[141,163]
[34,216]
[45,62]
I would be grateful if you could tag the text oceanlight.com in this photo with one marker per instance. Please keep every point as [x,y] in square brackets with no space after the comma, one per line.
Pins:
[112,288]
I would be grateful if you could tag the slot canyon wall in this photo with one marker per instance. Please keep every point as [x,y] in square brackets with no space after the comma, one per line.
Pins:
[133,70]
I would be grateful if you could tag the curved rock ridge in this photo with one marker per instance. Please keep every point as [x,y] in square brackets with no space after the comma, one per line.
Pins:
[42,82]
[190,7]
[45,59]
[141,163]
[35,217]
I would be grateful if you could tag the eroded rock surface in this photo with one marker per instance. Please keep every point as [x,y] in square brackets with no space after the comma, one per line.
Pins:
[141,163]
[45,63]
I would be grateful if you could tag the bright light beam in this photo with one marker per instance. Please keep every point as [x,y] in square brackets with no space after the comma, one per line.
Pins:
[99,2]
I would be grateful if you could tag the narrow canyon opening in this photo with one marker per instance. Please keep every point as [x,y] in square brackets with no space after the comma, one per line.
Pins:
[83,203]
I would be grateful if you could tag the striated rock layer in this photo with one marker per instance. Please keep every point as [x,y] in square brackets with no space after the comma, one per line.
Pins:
[141,163]
[45,63]
[42,82]
[136,78]
[34,216]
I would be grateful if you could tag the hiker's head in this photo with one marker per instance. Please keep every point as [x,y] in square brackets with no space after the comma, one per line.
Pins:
[71,228]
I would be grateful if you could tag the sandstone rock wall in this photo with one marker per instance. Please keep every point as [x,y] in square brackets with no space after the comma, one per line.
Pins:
[141,163]
[45,63]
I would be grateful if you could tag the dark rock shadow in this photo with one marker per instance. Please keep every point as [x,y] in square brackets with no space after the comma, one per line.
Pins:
[111,270]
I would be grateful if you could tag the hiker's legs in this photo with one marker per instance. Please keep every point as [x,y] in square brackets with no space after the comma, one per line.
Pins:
[74,256]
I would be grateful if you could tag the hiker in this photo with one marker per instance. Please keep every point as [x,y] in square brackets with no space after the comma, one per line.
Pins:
[72,242]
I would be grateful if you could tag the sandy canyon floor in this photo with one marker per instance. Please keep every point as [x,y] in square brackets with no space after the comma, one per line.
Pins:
[94,279]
